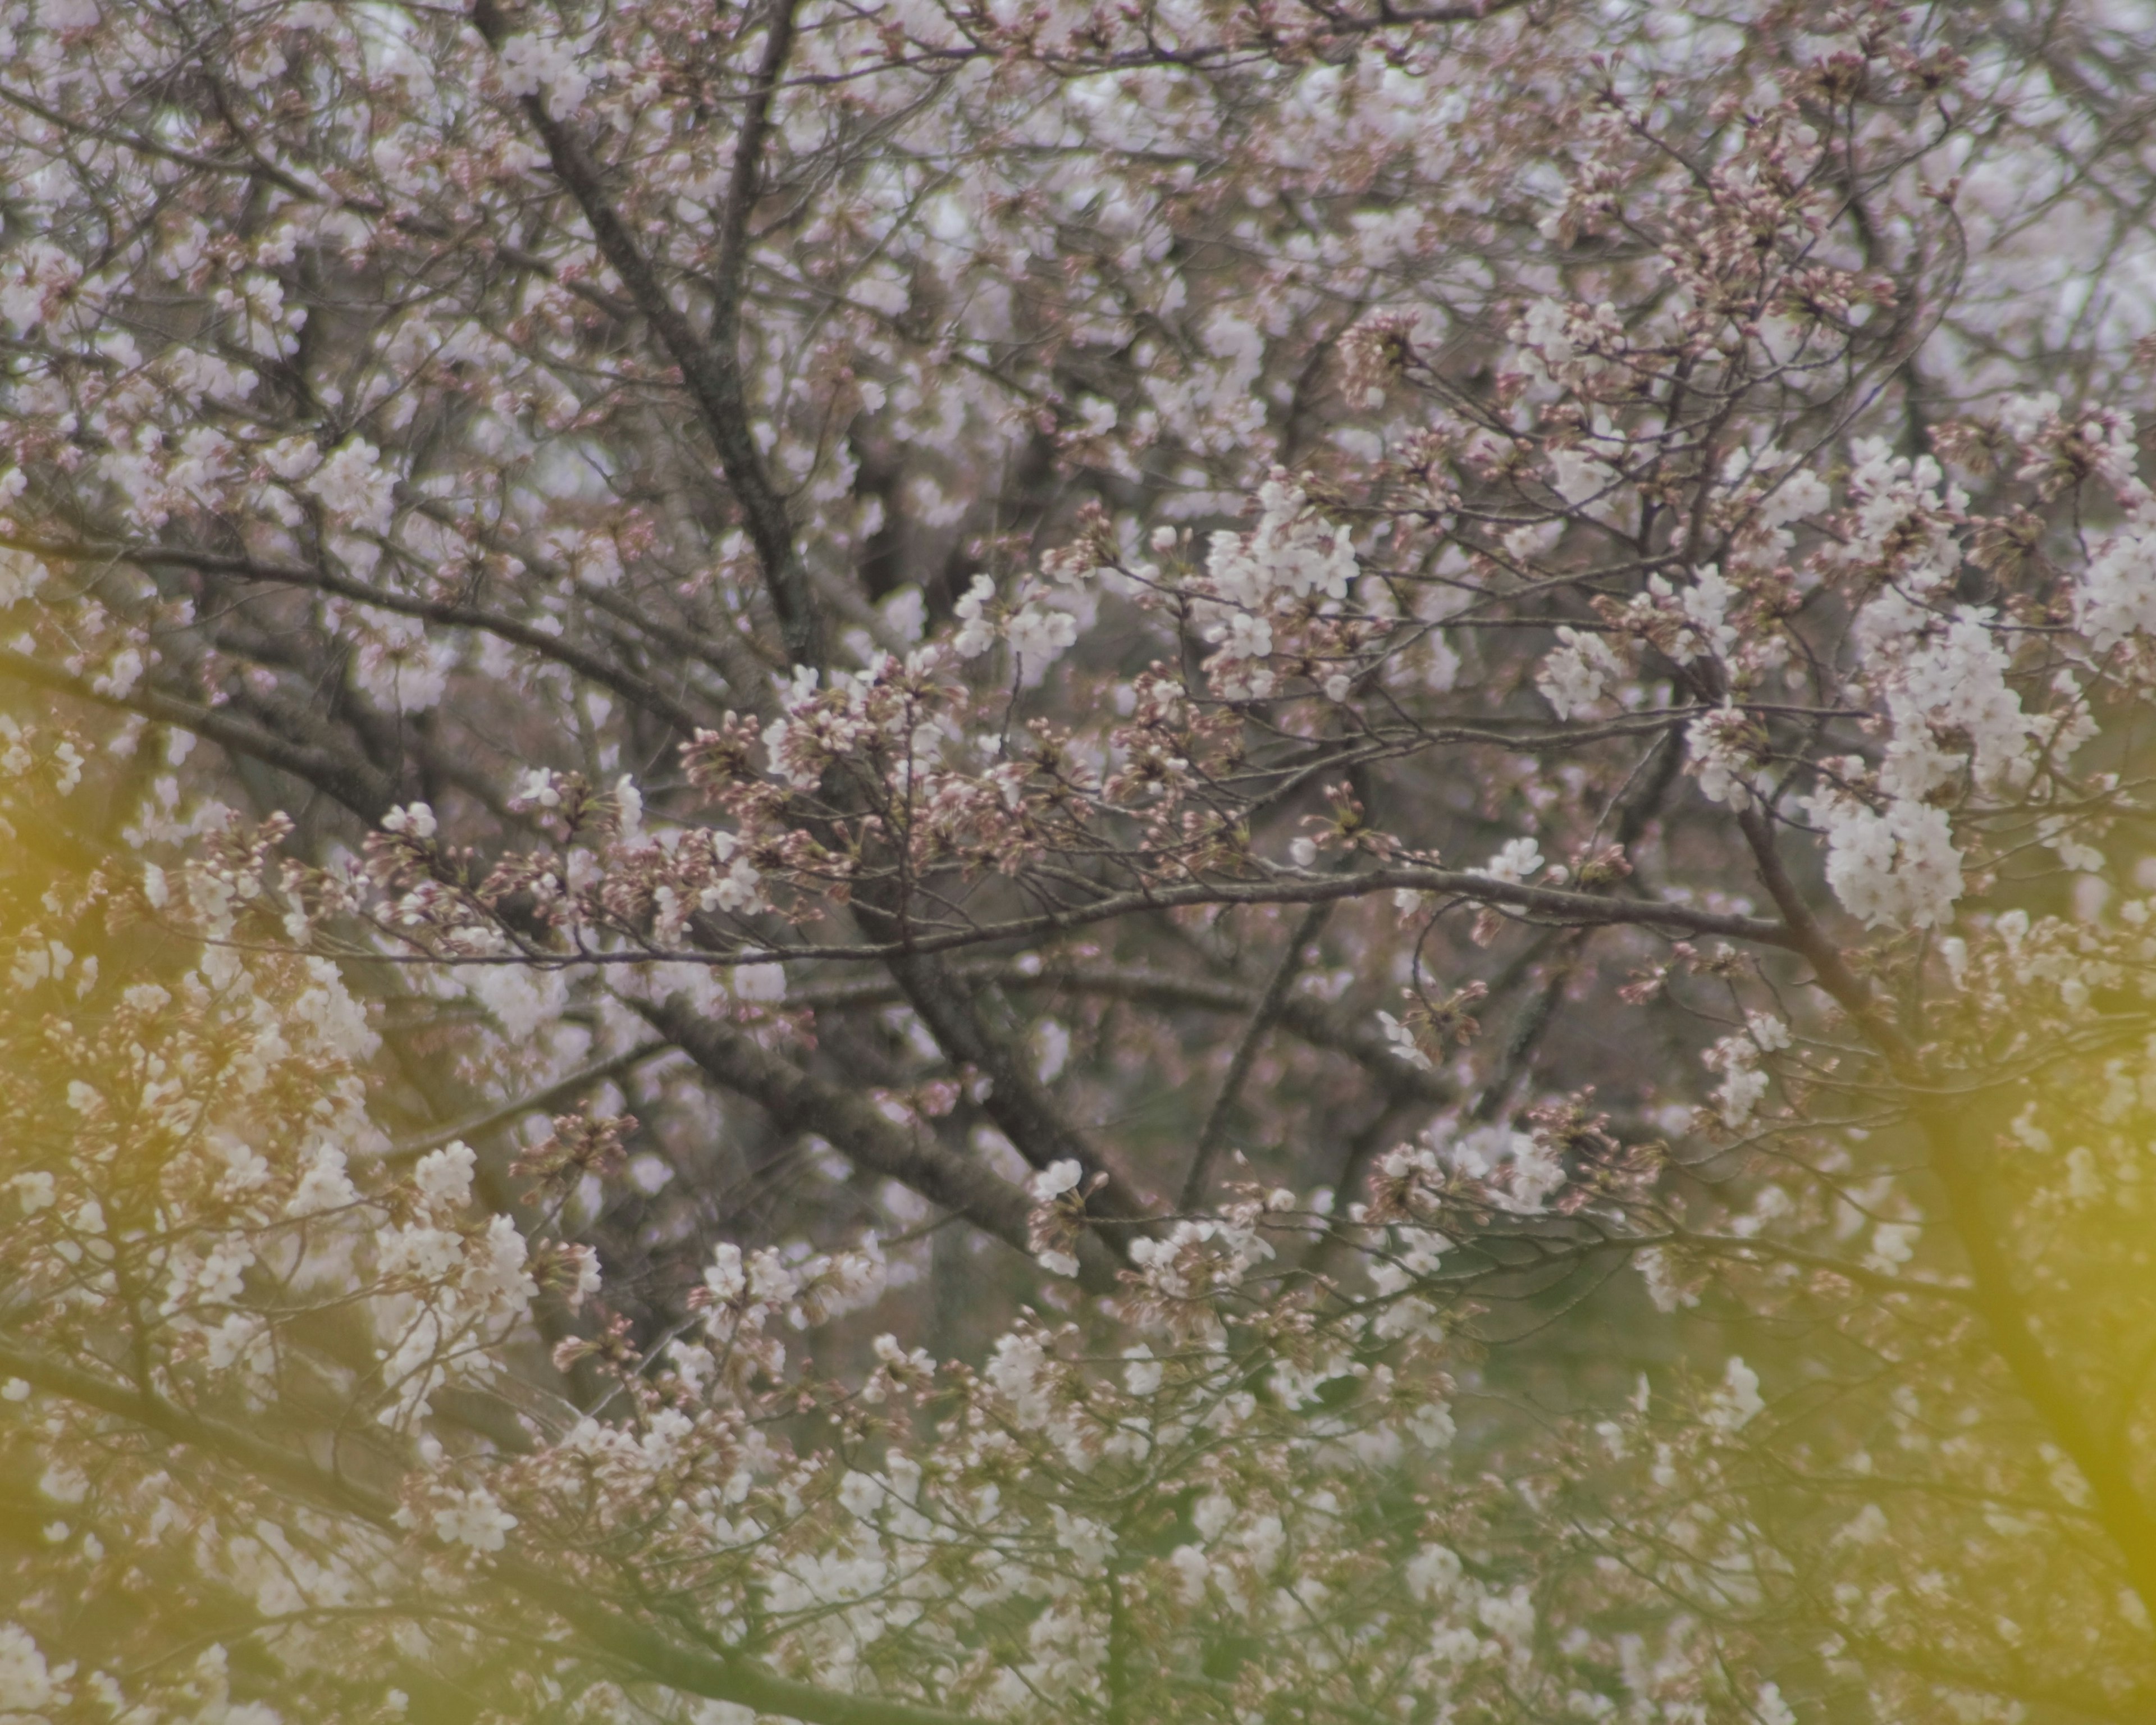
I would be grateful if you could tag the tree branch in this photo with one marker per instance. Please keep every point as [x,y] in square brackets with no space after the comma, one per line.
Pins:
[598,1072]
[1545,905]
[358,785]
[1016,1100]
[624,683]
[612,1636]
[710,370]
[802,1102]
[1246,1054]
[2124,1511]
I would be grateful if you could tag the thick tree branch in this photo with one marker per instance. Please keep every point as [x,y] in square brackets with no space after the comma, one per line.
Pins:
[352,781]
[540,1101]
[800,1102]
[1338,23]
[1016,1100]
[745,178]
[2125,1512]
[1268,1014]
[607,674]
[1541,904]
[711,369]
[653,1655]
[1309,1019]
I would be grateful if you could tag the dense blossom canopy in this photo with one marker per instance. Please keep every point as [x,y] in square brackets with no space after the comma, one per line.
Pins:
[1254,860]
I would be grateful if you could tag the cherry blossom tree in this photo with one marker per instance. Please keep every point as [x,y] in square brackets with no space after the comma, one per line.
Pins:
[1260,862]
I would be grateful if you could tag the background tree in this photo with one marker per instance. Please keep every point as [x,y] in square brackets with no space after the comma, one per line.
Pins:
[902,863]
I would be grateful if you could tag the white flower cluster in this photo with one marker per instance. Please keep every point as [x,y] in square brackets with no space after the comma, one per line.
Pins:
[1903,518]
[538,789]
[353,486]
[1897,867]
[2024,418]
[1898,864]
[1579,672]
[736,883]
[1517,863]
[1892,859]
[1954,683]
[400,667]
[468,1289]
[1737,1402]
[416,818]
[37,959]
[1037,634]
[285,1576]
[806,1288]
[529,64]
[1403,1045]
[36,278]
[1514,1170]
[1292,554]
[2100,441]
[818,726]
[21,574]
[1685,622]
[1665,1292]
[1778,493]
[2117,595]
[28,1685]
[1799,494]
[444,1178]
[1893,1244]
[1720,742]
[1201,1258]
[34,1192]
[472,1517]
[1568,344]
[1737,1059]
[1581,479]
[323,1183]
[1705,607]
[977,631]
[1520,1172]
[1053,1224]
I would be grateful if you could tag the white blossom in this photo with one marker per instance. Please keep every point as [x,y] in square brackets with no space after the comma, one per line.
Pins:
[1519,861]
[1054,1180]
[28,1685]
[1737,1402]
[1897,868]
[323,1183]
[444,1177]
[1402,1039]
[353,484]
[416,818]
[1039,635]
[976,634]
[1579,672]
[473,1518]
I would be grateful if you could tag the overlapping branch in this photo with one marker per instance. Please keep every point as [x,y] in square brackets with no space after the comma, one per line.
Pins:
[628,1642]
